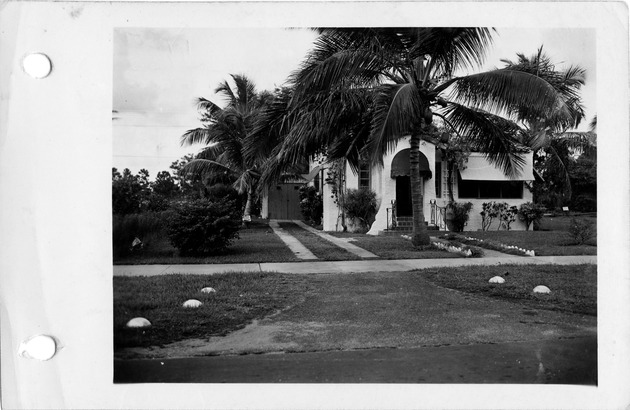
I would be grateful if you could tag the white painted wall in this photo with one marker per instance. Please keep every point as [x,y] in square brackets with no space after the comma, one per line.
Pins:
[385,186]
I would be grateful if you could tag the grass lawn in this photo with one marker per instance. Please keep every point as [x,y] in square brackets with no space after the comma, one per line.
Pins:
[239,299]
[365,305]
[544,243]
[257,243]
[320,247]
[393,247]
[573,287]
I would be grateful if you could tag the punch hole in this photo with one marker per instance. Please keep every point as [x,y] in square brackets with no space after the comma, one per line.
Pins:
[37,65]
[40,347]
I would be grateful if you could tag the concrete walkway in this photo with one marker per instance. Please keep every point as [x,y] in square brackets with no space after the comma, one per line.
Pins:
[343,244]
[381,265]
[295,246]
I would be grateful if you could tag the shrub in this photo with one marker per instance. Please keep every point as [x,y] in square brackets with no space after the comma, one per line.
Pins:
[360,205]
[148,227]
[203,227]
[507,214]
[311,204]
[580,230]
[461,213]
[529,213]
[489,211]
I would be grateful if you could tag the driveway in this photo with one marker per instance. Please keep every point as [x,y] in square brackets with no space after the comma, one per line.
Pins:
[389,313]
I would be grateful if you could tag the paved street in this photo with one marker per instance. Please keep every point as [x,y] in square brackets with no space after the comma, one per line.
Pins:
[554,361]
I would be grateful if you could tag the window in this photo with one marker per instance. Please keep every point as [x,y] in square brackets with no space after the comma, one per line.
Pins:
[489,189]
[438,180]
[364,174]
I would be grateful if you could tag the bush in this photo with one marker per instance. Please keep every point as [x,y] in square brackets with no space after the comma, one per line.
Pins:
[580,230]
[529,213]
[148,227]
[311,204]
[203,227]
[461,213]
[507,214]
[489,211]
[360,205]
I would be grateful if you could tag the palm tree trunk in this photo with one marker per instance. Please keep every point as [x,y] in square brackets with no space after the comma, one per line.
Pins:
[419,236]
[247,214]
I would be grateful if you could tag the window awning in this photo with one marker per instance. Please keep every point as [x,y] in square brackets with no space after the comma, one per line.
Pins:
[402,168]
[479,168]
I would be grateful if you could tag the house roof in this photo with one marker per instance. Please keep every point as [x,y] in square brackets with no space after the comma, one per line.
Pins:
[402,168]
[478,168]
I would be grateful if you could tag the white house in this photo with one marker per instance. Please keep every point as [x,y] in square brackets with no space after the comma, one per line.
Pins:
[479,182]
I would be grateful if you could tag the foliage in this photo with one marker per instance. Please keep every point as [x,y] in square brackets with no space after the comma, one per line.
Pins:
[202,227]
[360,204]
[529,213]
[455,152]
[507,215]
[583,176]
[149,227]
[360,90]
[231,153]
[489,211]
[336,178]
[189,185]
[311,204]
[164,185]
[461,213]
[129,191]
[580,230]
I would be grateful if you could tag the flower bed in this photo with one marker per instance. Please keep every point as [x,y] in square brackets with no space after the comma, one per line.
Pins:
[488,244]
[455,247]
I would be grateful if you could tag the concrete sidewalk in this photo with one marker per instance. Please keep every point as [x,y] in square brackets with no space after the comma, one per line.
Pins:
[347,266]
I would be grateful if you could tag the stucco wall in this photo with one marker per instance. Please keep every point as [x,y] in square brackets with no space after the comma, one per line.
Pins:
[385,186]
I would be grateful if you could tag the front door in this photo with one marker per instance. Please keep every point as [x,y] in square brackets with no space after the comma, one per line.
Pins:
[403,196]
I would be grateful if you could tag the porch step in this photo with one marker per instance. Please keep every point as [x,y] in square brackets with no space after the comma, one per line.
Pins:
[404,231]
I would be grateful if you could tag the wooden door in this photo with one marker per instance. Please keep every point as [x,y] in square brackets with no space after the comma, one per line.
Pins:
[284,201]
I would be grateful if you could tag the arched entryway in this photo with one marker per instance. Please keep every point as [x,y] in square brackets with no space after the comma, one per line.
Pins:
[401,173]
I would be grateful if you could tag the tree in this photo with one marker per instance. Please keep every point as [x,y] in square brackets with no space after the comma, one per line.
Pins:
[549,137]
[406,76]
[225,132]
[129,191]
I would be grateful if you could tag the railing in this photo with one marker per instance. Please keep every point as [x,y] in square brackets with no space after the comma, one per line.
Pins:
[438,215]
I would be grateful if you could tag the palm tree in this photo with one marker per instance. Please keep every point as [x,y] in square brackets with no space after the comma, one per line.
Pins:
[550,137]
[409,77]
[225,132]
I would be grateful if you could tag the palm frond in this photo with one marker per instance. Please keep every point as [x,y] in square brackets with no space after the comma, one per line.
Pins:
[206,166]
[517,94]
[489,134]
[397,109]
[451,49]
[593,124]
[195,136]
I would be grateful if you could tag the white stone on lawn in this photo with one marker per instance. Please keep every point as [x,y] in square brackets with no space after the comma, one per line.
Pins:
[208,290]
[541,289]
[138,322]
[192,303]
[497,279]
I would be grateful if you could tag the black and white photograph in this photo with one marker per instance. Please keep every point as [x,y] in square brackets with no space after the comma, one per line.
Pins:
[355,205]
[313,205]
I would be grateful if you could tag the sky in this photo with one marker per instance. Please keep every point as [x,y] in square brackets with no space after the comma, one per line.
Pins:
[159,74]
